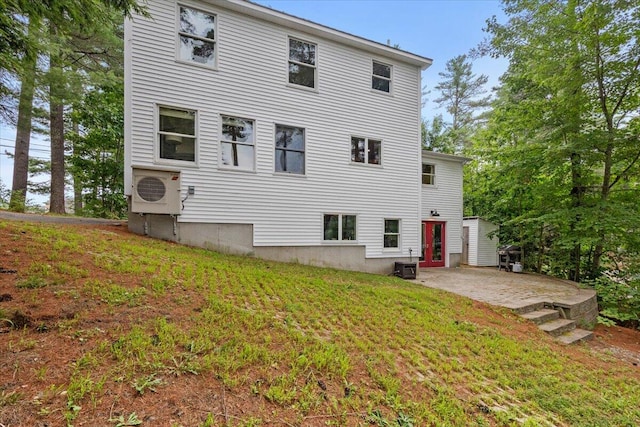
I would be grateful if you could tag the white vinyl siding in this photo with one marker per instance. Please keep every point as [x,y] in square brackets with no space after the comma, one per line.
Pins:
[284,209]
[445,197]
[482,248]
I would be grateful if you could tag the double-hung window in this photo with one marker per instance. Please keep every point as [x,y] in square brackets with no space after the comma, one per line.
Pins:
[302,63]
[381,77]
[237,143]
[391,233]
[177,134]
[428,174]
[366,150]
[290,147]
[197,37]
[339,227]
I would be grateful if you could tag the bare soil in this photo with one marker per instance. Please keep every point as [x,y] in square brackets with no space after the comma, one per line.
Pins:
[38,353]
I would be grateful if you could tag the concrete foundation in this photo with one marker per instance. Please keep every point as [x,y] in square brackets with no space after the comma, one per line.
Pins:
[237,239]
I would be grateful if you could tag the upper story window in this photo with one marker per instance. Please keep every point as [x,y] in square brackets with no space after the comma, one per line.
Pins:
[429,174]
[302,63]
[237,143]
[366,150]
[197,35]
[381,78]
[290,149]
[339,227]
[177,134]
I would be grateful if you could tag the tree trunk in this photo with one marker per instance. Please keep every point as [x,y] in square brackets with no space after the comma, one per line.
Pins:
[56,125]
[56,117]
[23,136]
[77,184]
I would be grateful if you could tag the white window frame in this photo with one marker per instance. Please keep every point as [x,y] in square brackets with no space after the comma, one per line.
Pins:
[432,175]
[302,64]
[276,148]
[377,76]
[366,154]
[252,143]
[385,234]
[179,33]
[340,239]
[158,132]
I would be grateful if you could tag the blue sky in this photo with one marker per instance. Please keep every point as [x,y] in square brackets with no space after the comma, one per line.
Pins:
[437,29]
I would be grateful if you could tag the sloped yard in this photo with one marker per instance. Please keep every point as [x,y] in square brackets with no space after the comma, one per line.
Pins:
[100,327]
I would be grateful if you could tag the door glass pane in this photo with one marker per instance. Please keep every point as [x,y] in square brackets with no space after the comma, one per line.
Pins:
[437,242]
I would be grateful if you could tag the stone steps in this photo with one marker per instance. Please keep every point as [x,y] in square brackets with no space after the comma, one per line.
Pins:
[541,316]
[558,327]
[561,319]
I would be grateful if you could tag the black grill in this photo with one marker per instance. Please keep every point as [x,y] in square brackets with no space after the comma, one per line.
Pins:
[507,256]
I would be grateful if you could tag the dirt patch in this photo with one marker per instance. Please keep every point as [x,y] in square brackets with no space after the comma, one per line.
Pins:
[52,327]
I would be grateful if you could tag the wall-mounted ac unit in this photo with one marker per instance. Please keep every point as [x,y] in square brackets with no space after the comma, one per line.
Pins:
[156,191]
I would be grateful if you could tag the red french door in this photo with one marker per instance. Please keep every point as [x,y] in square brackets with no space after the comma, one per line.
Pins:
[433,242]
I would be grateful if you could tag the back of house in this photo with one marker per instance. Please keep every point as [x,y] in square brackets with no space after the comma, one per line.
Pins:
[251,131]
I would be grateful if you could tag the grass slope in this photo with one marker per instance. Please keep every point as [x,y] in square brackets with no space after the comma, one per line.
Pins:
[102,328]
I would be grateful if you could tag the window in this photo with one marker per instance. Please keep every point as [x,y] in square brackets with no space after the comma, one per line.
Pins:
[177,134]
[364,150]
[339,227]
[289,149]
[381,78]
[197,35]
[302,63]
[429,174]
[237,143]
[391,233]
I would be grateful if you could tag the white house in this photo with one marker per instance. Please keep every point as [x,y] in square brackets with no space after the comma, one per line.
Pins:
[251,131]
[480,242]
[441,195]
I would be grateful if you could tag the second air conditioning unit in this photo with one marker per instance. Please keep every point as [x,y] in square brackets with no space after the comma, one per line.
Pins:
[156,191]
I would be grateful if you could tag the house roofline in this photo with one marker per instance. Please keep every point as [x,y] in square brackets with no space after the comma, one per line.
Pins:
[443,156]
[282,18]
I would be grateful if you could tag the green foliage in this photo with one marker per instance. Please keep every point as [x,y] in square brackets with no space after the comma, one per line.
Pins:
[131,420]
[97,163]
[149,382]
[619,297]
[558,164]
[461,94]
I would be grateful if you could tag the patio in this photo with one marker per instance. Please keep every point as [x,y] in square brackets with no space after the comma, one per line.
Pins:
[555,305]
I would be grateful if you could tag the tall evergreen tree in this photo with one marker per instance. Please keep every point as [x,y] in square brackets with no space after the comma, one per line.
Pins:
[461,94]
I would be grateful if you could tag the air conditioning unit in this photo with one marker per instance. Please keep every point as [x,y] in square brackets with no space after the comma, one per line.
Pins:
[156,191]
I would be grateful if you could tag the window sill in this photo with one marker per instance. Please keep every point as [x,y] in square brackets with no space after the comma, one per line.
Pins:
[234,169]
[381,92]
[197,64]
[296,175]
[177,163]
[340,242]
[367,165]
[303,88]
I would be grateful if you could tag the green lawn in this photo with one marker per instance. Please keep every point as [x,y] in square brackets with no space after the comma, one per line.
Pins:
[123,329]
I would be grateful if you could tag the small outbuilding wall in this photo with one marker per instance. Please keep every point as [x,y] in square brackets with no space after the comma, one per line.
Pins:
[479,249]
